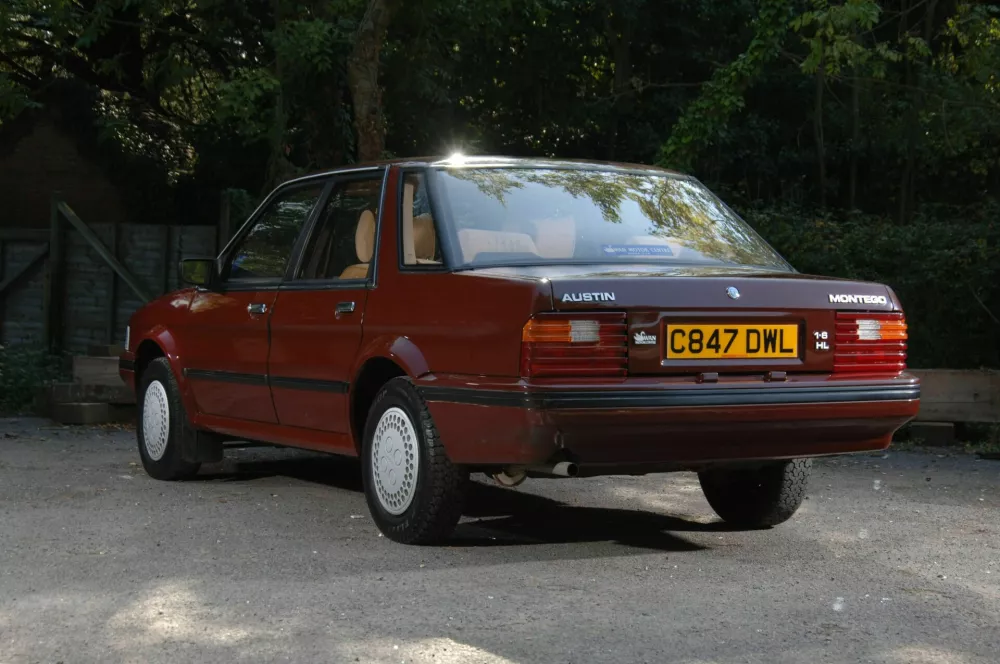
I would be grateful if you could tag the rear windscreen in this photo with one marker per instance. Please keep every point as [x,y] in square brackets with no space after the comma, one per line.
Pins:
[511,216]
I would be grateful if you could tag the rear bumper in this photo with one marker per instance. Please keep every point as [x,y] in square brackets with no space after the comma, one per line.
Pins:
[672,425]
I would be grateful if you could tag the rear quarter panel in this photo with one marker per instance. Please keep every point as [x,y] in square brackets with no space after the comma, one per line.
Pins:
[451,323]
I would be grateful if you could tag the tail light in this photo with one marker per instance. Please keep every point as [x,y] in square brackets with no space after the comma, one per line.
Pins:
[575,345]
[870,343]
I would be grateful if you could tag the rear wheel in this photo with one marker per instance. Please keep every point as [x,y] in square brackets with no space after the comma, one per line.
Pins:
[757,497]
[414,492]
[162,424]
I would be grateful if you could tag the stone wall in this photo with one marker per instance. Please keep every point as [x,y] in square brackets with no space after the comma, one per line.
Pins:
[149,252]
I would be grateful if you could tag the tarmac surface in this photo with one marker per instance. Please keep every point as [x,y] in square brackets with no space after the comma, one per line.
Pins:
[272,557]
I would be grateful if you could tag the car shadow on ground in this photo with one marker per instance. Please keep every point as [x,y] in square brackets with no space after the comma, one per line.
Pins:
[493,515]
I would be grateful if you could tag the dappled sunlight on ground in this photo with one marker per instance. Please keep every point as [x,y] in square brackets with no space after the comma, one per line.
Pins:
[920,654]
[173,612]
[679,495]
[272,556]
[437,650]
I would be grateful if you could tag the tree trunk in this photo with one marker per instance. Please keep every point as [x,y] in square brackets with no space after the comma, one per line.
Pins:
[620,36]
[852,200]
[818,130]
[362,78]
[279,168]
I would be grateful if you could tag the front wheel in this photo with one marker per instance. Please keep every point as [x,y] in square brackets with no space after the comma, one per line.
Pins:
[757,497]
[414,492]
[162,424]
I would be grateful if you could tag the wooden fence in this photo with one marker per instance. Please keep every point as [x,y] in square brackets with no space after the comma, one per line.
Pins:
[75,284]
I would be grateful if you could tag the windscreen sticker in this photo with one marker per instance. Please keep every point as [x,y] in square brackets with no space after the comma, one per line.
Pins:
[636,250]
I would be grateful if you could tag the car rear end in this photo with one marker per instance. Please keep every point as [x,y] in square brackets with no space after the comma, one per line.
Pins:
[676,337]
[685,370]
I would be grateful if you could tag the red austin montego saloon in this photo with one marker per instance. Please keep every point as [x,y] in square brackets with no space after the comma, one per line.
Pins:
[519,318]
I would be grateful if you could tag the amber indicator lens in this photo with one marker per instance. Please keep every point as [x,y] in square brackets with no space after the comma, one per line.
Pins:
[731,341]
[870,343]
[578,345]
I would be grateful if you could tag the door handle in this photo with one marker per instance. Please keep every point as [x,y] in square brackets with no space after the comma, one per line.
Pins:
[345,308]
[256,308]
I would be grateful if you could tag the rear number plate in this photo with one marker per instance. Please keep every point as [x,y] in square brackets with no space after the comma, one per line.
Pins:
[723,342]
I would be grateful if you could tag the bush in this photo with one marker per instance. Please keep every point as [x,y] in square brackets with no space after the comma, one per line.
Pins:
[946,271]
[24,370]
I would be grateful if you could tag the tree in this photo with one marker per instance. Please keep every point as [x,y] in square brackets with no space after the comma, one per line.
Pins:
[363,77]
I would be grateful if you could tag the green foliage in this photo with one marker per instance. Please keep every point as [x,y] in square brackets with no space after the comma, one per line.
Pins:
[24,370]
[706,117]
[881,107]
[945,270]
[833,37]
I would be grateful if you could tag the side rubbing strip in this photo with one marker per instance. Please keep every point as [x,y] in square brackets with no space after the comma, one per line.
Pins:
[312,384]
[226,377]
[309,384]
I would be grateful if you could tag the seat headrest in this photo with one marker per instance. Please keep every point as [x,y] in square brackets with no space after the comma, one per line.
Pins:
[475,241]
[556,238]
[364,237]
[424,239]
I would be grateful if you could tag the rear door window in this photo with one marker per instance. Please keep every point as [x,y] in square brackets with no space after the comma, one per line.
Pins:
[342,246]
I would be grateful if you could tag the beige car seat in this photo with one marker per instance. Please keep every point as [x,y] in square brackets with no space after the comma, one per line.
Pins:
[424,239]
[364,245]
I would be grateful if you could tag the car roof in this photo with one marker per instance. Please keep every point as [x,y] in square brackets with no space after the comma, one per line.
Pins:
[489,161]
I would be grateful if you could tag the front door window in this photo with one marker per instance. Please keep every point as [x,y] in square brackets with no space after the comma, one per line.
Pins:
[263,253]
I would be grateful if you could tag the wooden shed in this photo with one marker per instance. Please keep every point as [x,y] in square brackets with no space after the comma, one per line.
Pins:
[37,158]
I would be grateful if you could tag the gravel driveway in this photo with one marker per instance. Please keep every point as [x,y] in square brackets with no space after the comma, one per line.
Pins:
[271,556]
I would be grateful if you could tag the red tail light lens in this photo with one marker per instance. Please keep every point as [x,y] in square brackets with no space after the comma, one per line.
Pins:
[575,345]
[870,343]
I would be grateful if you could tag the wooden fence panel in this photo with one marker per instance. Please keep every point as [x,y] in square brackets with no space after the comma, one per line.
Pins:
[959,396]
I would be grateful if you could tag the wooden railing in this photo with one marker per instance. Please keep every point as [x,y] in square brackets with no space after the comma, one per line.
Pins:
[55,283]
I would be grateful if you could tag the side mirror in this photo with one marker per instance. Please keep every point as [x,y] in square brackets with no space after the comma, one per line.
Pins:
[197,271]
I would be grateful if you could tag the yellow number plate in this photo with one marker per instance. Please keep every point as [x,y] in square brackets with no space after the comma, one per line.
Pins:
[738,342]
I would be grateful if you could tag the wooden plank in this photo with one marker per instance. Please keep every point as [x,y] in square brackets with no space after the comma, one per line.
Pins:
[24,234]
[95,242]
[958,396]
[34,260]
[96,370]
[52,304]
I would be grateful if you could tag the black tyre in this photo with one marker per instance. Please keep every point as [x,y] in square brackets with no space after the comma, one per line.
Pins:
[757,497]
[162,424]
[414,492]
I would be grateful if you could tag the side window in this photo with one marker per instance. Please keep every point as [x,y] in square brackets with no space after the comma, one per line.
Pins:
[263,253]
[420,245]
[343,242]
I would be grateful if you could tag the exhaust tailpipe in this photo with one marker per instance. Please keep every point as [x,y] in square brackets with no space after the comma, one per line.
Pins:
[560,469]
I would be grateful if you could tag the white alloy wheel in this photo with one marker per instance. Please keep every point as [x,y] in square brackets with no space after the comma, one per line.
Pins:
[155,420]
[395,460]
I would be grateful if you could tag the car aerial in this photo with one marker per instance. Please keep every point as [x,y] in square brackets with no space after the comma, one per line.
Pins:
[518,318]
